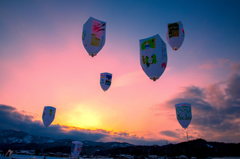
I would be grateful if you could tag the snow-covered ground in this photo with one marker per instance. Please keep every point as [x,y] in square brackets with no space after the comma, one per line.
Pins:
[15,156]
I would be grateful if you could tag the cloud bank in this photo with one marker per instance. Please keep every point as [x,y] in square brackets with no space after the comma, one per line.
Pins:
[215,110]
[12,119]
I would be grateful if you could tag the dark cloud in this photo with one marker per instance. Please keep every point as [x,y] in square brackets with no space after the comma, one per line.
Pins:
[215,109]
[233,90]
[169,133]
[139,140]
[194,92]
[17,121]
[12,119]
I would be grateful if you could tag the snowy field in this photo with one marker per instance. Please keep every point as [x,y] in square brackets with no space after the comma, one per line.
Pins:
[15,156]
[50,157]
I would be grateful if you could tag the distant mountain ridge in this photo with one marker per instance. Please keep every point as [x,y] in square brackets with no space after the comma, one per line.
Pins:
[19,140]
[13,136]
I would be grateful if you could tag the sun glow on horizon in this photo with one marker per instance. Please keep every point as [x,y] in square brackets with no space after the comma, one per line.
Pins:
[81,116]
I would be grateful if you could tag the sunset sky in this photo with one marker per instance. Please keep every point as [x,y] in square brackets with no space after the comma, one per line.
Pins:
[43,62]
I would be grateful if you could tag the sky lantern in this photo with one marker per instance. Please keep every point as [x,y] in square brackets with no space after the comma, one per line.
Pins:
[153,56]
[93,35]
